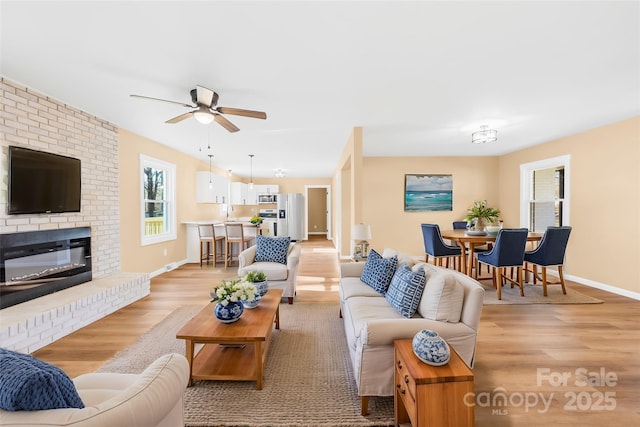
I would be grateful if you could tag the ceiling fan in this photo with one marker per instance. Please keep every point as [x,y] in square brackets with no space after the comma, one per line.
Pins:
[206,109]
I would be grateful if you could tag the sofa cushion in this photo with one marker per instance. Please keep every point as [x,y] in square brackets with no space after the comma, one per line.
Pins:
[378,271]
[402,258]
[29,384]
[442,297]
[405,290]
[354,287]
[273,270]
[272,249]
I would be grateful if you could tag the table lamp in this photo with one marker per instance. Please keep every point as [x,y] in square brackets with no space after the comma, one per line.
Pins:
[360,233]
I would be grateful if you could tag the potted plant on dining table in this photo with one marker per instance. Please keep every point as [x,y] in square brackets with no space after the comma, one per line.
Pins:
[480,215]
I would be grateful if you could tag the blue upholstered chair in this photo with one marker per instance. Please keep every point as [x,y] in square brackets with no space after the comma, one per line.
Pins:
[459,225]
[507,252]
[549,253]
[435,247]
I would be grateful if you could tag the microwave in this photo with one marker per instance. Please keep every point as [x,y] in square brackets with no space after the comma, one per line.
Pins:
[267,198]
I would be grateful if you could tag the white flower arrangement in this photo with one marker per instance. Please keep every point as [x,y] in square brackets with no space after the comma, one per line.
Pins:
[233,291]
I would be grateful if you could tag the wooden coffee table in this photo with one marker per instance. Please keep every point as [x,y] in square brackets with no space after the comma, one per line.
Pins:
[231,351]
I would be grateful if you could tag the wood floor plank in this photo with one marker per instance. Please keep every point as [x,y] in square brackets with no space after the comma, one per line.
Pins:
[515,342]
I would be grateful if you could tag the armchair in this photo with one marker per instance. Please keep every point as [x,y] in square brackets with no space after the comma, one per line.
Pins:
[151,398]
[279,276]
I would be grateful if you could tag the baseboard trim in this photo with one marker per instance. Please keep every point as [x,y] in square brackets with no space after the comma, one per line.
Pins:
[604,287]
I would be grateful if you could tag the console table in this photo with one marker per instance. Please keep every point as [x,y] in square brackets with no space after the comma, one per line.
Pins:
[430,396]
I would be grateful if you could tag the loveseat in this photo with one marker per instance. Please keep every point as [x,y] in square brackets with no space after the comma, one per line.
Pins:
[151,398]
[450,304]
[281,271]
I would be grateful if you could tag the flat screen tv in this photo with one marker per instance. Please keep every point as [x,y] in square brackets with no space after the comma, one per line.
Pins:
[42,182]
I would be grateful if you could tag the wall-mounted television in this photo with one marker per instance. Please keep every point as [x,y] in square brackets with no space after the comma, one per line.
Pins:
[41,182]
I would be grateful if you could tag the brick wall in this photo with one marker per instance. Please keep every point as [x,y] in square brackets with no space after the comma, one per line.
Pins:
[29,119]
[32,120]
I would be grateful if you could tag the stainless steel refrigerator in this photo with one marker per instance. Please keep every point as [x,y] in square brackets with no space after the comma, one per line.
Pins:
[290,221]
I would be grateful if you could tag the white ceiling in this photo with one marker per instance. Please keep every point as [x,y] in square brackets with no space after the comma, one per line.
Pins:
[419,77]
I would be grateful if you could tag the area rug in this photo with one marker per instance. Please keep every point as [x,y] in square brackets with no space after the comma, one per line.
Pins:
[533,295]
[308,375]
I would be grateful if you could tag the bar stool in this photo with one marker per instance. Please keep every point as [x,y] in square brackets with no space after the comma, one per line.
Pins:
[209,243]
[235,235]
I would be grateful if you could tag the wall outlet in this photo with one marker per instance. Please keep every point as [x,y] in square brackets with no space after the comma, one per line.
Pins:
[164,252]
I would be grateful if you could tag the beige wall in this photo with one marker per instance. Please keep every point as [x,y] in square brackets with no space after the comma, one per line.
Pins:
[474,178]
[604,246]
[150,258]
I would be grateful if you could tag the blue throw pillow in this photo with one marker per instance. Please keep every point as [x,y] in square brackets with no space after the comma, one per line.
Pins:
[378,271]
[405,290]
[272,249]
[29,384]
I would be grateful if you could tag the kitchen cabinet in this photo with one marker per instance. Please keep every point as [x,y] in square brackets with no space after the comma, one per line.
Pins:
[211,188]
[238,193]
[268,189]
[243,194]
[252,195]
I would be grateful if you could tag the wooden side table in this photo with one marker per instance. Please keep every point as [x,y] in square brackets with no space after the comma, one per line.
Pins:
[431,396]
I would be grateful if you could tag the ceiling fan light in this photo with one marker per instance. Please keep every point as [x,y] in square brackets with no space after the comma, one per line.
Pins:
[203,116]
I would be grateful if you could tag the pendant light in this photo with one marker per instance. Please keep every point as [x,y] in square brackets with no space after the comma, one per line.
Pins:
[251,166]
[210,175]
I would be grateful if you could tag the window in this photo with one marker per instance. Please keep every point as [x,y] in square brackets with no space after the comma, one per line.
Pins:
[158,200]
[545,193]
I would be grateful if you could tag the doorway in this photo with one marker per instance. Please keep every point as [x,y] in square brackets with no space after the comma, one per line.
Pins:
[318,220]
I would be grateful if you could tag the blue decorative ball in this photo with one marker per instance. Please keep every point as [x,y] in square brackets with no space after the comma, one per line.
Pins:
[430,348]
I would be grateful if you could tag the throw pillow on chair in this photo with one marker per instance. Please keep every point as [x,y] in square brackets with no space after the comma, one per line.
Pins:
[272,249]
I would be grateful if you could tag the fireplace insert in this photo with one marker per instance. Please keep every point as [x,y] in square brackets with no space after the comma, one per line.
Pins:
[37,263]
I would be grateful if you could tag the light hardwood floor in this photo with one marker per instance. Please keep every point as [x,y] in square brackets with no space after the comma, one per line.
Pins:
[518,345]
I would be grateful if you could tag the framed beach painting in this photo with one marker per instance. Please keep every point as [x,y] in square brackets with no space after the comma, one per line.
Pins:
[428,193]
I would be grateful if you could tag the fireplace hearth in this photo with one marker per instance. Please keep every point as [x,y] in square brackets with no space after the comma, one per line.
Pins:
[37,263]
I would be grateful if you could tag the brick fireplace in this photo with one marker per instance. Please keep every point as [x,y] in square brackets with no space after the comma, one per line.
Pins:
[33,120]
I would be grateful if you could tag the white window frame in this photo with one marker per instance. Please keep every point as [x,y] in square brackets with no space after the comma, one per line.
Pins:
[526,196]
[169,198]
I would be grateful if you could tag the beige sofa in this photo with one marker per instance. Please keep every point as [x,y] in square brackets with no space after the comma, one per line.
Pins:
[279,276]
[372,324]
[152,398]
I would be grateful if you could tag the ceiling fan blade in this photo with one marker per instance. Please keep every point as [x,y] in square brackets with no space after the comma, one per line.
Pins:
[180,118]
[222,121]
[205,96]
[164,100]
[241,112]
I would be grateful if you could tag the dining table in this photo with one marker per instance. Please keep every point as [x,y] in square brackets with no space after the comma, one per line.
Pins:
[469,240]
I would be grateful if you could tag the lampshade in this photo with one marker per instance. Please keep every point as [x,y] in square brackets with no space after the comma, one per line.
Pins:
[484,135]
[361,232]
[203,116]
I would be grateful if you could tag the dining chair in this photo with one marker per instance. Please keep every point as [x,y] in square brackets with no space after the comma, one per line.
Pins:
[209,244]
[435,246]
[459,225]
[235,236]
[549,253]
[508,251]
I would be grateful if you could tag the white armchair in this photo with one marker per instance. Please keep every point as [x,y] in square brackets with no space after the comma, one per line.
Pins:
[279,276]
[151,398]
